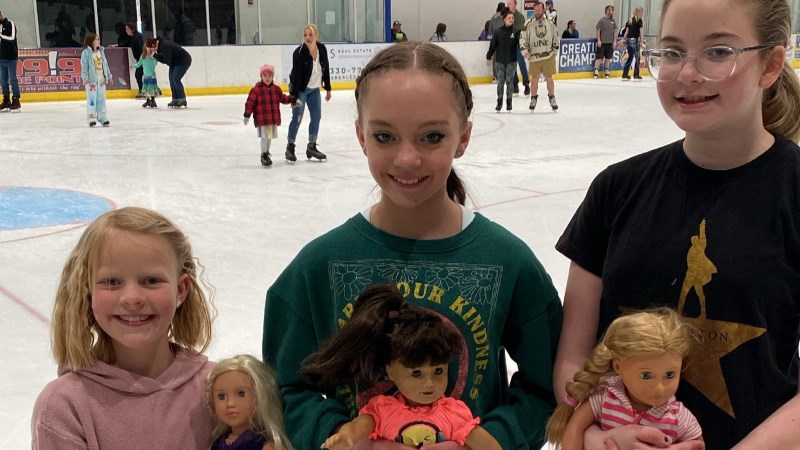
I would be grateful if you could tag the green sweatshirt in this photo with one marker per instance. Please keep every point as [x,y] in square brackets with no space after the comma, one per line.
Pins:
[484,280]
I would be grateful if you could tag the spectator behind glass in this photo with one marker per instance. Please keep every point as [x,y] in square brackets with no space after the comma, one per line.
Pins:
[571,32]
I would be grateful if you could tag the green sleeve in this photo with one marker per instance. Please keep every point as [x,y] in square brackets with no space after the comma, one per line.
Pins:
[531,339]
[309,416]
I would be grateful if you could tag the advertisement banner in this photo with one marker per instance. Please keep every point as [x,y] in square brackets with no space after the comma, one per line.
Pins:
[59,69]
[345,60]
[578,55]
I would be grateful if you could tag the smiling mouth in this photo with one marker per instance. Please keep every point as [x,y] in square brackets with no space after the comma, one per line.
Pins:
[696,99]
[408,181]
[134,319]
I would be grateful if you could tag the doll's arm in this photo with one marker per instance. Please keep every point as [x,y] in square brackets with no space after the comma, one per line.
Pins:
[268,446]
[480,439]
[354,431]
[581,419]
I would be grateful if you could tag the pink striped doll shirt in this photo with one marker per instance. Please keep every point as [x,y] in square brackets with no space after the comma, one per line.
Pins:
[612,409]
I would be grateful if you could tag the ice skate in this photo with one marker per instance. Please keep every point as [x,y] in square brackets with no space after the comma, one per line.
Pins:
[146,103]
[313,152]
[596,73]
[106,124]
[153,102]
[499,105]
[527,89]
[534,100]
[171,104]
[178,104]
[15,106]
[265,160]
[289,155]
[607,74]
[6,105]
[553,103]
[509,103]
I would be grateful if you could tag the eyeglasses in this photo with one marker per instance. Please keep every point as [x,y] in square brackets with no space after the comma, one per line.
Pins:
[715,63]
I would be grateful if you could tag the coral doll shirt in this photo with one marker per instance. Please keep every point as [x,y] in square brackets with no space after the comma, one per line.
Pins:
[446,419]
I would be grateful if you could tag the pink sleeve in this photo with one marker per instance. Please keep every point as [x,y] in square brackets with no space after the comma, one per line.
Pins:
[688,427]
[461,419]
[379,407]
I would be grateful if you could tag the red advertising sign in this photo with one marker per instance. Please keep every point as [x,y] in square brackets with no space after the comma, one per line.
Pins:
[59,69]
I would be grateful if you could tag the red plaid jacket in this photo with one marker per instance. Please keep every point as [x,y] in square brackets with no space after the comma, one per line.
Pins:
[263,102]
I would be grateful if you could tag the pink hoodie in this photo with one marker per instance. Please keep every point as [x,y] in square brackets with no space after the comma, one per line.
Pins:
[109,408]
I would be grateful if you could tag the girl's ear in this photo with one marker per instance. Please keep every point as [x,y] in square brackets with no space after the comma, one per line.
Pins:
[773,66]
[615,364]
[360,136]
[183,287]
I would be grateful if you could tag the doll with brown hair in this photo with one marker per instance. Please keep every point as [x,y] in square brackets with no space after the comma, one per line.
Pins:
[245,405]
[411,346]
[631,377]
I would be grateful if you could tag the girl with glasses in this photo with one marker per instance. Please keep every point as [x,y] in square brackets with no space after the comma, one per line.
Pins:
[707,225]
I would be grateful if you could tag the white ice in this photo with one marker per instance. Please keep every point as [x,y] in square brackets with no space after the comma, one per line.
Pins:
[200,166]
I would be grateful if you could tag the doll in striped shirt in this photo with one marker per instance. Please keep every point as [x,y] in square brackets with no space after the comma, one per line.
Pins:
[630,378]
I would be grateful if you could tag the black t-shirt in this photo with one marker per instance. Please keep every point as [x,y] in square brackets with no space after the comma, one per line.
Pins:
[635,28]
[658,230]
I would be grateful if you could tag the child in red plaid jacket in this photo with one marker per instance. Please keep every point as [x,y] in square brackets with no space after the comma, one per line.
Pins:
[263,102]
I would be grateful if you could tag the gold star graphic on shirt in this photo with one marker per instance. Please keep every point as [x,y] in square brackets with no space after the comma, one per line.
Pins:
[703,369]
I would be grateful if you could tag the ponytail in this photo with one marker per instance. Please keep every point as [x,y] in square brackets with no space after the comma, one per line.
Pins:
[781,105]
[456,190]
[597,367]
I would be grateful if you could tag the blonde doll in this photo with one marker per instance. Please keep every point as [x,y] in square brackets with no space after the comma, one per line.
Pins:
[630,378]
[243,398]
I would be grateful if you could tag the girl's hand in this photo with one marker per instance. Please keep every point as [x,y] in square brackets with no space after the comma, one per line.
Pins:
[633,437]
[327,96]
[383,444]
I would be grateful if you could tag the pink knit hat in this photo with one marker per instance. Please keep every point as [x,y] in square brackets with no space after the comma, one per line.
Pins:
[266,68]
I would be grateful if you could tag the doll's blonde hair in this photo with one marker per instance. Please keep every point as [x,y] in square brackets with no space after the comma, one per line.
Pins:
[647,332]
[77,340]
[267,418]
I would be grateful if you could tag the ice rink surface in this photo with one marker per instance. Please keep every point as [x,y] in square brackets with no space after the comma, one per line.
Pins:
[200,167]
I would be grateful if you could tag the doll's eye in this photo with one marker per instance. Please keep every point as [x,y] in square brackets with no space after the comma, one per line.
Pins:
[438,371]
[416,373]
[241,394]
[647,375]
[220,396]
[671,374]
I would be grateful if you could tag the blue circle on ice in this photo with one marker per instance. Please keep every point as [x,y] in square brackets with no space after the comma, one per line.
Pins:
[25,207]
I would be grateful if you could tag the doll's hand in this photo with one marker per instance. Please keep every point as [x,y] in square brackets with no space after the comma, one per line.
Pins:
[245,120]
[338,442]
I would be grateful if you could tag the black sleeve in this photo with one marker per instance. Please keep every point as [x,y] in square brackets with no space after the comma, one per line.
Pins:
[296,73]
[493,45]
[137,45]
[323,62]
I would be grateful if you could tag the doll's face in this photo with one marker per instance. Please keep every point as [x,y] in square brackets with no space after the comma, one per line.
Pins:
[421,385]
[649,380]
[234,400]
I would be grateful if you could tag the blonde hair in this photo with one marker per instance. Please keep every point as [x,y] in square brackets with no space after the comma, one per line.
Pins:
[780,105]
[313,28]
[267,418]
[78,341]
[647,332]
